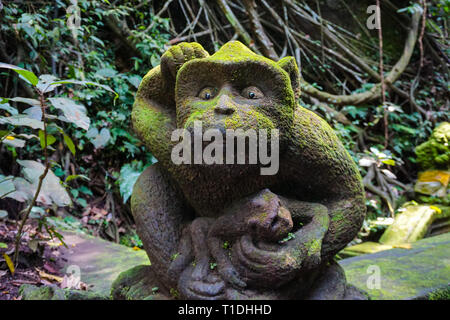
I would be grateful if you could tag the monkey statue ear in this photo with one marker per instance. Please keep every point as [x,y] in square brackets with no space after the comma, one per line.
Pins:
[289,65]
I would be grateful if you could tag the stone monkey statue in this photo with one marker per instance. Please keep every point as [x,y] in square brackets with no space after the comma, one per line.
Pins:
[183,210]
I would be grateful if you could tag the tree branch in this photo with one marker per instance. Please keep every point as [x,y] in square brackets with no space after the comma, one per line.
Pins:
[375,92]
[258,30]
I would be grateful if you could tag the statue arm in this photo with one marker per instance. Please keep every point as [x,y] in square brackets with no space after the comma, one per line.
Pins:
[154,109]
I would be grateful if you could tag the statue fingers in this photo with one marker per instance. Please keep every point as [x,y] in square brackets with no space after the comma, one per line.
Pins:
[179,54]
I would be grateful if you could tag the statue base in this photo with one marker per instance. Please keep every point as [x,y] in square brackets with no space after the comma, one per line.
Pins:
[140,283]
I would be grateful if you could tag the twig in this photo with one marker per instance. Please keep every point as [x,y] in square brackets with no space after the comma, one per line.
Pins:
[236,24]
[164,8]
[367,181]
[375,92]
[381,71]
[258,30]
[39,186]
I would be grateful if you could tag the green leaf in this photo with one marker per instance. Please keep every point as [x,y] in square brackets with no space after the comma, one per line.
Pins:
[8,108]
[22,120]
[46,83]
[74,113]
[31,102]
[405,129]
[99,139]
[52,191]
[129,174]
[28,76]
[35,113]
[37,213]
[50,139]
[88,83]
[135,80]
[14,142]
[106,73]
[70,144]
[389,162]
[76,176]
[82,202]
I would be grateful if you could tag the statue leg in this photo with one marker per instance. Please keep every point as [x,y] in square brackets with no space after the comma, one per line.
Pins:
[160,213]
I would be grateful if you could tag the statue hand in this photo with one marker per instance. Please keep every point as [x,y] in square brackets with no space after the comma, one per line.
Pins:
[174,58]
[265,264]
[275,264]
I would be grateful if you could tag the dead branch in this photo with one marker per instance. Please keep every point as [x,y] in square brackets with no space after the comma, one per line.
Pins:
[223,4]
[375,92]
[258,30]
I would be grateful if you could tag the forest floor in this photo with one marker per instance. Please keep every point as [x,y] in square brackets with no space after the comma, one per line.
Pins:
[40,260]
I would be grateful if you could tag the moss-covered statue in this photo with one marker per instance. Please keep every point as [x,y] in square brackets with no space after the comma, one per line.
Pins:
[224,231]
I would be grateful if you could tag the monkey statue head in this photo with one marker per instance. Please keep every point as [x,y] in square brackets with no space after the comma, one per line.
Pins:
[231,89]
[237,89]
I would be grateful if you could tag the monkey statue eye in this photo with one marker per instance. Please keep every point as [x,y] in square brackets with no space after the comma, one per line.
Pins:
[207,93]
[252,93]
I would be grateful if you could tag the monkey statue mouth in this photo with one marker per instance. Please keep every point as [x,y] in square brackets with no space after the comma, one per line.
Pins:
[219,146]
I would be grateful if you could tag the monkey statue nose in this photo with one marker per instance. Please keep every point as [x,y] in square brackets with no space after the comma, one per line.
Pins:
[226,110]
[224,105]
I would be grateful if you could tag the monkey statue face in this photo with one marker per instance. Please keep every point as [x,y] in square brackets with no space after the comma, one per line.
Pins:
[235,89]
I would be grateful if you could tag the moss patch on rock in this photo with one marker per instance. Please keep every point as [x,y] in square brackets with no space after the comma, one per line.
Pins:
[136,284]
[435,153]
[32,292]
[404,273]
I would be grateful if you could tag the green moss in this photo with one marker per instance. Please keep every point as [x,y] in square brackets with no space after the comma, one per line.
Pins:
[235,52]
[174,293]
[337,217]
[31,292]
[134,284]
[268,196]
[314,246]
[435,153]
[404,273]
[194,116]
[440,294]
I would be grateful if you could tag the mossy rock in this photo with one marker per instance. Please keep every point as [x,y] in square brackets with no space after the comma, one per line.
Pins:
[440,294]
[414,273]
[135,284]
[435,153]
[410,225]
[364,248]
[100,261]
[32,292]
